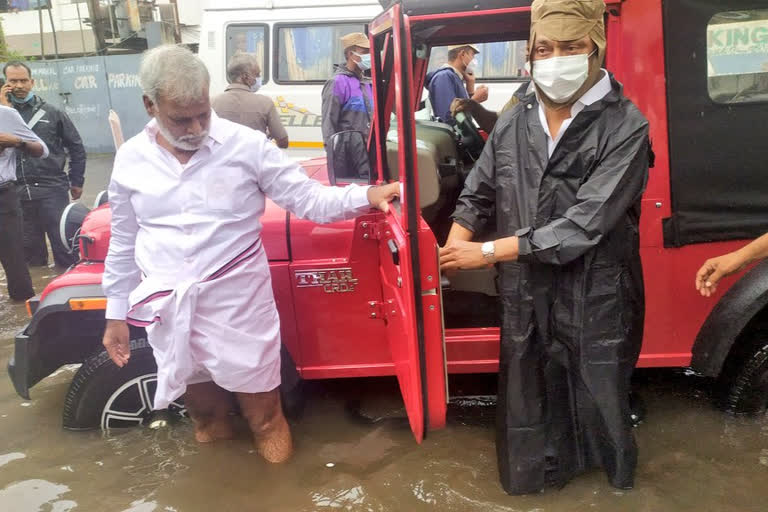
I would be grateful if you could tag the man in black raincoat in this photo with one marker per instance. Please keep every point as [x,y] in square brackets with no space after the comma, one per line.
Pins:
[563,172]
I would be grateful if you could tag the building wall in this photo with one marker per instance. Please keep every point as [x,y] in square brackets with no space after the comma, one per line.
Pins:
[22,30]
[87,88]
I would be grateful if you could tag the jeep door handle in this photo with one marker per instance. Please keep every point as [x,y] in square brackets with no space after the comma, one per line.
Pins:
[394,251]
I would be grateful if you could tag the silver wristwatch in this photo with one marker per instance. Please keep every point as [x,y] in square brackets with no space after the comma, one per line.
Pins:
[489,251]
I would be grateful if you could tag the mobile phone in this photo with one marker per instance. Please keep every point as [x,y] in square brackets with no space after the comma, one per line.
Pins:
[2,83]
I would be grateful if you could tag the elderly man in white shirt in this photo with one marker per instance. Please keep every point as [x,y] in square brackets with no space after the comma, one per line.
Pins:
[14,136]
[186,260]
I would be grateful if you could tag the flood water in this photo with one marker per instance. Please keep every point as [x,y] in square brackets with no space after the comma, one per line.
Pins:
[692,457]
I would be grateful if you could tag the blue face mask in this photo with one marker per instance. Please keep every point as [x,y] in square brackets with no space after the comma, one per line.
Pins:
[27,99]
[256,85]
[365,61]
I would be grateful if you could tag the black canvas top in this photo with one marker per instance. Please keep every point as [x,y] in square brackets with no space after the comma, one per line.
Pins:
[417,7]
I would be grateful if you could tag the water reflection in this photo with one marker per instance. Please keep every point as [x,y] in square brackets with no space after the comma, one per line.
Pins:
[34,496]
[10,457]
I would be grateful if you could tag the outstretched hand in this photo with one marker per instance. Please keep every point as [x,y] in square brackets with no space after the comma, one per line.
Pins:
[117,342]
[381,195]
[714,269]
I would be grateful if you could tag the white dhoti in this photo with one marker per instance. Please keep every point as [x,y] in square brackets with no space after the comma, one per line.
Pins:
[224,328]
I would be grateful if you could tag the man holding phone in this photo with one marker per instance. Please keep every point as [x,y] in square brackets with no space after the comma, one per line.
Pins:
[448,82]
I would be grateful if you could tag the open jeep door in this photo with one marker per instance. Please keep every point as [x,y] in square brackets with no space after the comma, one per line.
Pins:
[409,270]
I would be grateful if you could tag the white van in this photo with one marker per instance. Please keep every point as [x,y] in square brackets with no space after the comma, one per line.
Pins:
[298,43]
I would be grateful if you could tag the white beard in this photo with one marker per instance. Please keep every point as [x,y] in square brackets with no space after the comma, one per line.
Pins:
[185,142]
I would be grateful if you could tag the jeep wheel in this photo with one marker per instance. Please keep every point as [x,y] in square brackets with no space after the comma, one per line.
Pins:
[104,396]
[743,385]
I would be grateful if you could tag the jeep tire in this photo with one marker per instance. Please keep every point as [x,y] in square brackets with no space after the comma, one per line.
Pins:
[103,395]
[743,384]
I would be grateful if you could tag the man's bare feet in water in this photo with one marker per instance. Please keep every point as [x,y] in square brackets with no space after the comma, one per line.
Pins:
[209,406]
[271,433]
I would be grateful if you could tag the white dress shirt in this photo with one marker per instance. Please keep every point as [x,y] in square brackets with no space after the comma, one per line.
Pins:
[185,257]
[11,122]
[594,94]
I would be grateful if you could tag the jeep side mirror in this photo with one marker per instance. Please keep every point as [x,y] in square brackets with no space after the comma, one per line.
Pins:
[348,158]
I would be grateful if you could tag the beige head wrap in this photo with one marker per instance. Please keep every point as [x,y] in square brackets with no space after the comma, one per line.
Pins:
[568,20]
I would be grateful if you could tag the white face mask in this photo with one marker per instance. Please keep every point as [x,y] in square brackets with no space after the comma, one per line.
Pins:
[471,66]
[560,77]
[255,86]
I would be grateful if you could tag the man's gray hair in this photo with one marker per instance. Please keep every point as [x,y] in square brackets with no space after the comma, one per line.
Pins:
[175,73]
[240,64]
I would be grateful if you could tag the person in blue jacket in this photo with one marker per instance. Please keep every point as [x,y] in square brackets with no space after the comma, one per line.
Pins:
[447,83]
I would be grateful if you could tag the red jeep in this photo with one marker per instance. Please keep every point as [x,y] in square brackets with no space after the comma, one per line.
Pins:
[365,297]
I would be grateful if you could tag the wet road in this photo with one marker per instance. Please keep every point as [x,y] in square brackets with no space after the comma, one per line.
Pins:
[692,457]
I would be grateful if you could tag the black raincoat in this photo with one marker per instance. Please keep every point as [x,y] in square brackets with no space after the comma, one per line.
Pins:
[573,303]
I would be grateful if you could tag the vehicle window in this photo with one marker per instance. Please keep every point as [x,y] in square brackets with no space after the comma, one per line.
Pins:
[308,52]
[249,39]
[496,61]
[23,5]
[737,56]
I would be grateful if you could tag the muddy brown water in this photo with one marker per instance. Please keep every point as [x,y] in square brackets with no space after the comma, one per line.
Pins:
[692,457]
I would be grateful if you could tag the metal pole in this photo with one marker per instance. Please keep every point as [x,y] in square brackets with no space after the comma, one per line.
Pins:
[112,22]
[53,31]
[80,22]
[97,25]
[40,21]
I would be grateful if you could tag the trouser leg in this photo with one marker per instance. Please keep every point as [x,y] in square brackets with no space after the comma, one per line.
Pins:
[51,209]
[271,432]
[12,247]
[209,406]
[35,251]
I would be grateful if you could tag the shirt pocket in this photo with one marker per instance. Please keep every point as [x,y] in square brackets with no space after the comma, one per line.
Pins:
[221,192]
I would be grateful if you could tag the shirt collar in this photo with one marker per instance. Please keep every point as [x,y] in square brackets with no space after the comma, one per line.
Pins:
[215,131]
[598,91]
[449,66]
[242,87]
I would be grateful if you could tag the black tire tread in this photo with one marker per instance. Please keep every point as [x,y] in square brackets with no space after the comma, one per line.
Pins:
[739,374]
[78,386]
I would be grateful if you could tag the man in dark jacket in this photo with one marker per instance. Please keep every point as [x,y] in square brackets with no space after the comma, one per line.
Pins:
[348,106]
[446,83]
[43,185]
[563,172]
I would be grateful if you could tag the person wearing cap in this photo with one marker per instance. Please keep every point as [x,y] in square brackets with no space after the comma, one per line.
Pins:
[348,96]
[447,83]
[562,173]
